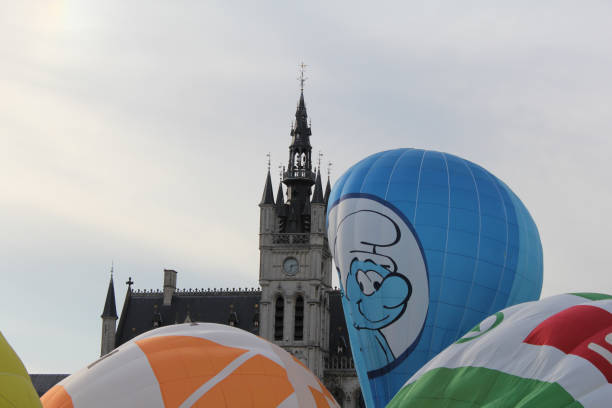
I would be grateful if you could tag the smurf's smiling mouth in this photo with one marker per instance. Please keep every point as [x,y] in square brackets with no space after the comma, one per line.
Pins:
[366,317]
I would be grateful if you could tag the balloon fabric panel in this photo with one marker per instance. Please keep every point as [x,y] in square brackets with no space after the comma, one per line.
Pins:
[181,364]
[57,397]
[251,381]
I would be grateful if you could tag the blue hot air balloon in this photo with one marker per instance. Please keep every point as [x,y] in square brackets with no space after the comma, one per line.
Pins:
[426,245]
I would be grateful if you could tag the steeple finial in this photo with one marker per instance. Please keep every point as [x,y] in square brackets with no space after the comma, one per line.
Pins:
[302,78]
[268,156]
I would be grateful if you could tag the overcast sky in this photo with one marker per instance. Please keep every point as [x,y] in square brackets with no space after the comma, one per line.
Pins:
[137,132]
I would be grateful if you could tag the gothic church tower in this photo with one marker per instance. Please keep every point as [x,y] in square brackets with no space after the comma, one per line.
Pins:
[295,262]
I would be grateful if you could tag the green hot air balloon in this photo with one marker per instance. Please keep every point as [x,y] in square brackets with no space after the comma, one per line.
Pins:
[556,352]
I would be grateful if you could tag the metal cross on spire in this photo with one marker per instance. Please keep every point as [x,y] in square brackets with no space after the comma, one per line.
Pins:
[302,78]
[129,282]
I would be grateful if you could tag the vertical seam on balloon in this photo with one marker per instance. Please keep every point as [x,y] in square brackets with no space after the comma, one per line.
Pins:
[379,158]
[393,170]
[477,246]
[435,317]
[416,197]
[501,278]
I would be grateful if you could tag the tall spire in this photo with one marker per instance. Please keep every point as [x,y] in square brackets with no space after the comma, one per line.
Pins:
[110,309]
[301,130]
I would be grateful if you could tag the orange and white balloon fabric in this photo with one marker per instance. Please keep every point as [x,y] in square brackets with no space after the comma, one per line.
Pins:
[192,365]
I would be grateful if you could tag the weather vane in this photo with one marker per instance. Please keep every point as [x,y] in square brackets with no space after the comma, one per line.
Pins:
[302,78]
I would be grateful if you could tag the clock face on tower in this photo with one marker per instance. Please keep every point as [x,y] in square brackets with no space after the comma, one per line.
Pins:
[291,266]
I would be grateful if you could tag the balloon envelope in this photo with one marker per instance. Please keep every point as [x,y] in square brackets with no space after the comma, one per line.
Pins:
[426,245]
[192,365]
[556,352]
[16,389]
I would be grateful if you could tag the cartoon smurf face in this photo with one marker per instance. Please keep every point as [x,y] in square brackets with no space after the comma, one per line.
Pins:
[380,295]
[383,276]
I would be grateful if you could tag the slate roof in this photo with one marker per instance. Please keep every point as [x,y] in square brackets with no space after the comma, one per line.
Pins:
[43,382]
[143,310]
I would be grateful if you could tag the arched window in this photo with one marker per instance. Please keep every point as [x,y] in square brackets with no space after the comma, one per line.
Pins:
[298,332]
[279,316]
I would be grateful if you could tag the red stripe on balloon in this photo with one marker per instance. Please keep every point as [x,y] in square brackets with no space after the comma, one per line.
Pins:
[584,331]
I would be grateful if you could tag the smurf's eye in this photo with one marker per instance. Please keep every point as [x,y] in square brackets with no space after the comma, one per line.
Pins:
[369,281]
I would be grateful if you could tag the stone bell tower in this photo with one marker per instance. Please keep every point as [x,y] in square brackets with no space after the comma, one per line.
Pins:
[295,262]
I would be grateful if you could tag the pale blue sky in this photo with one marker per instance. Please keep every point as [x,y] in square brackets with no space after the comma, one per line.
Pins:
[137,132]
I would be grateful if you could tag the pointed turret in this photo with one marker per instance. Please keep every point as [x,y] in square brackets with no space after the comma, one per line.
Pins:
[110,309]
[317,196]
[109,319]
[327,191]
[122,335]
[268,195]
[280,197]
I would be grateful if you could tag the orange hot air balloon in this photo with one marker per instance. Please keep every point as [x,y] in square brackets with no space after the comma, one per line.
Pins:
[192,365]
